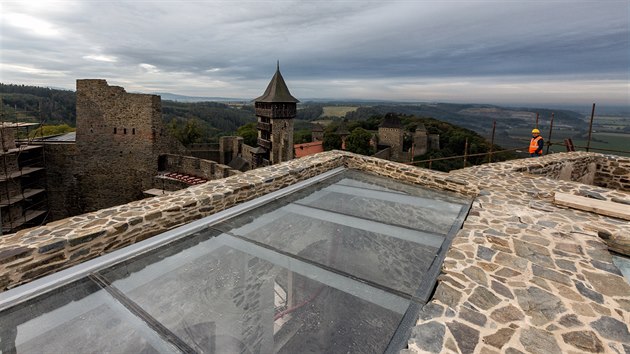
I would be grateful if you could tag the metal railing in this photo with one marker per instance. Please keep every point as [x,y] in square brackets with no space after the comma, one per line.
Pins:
[567,144]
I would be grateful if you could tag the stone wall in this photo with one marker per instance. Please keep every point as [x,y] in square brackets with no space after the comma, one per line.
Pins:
[35,252]
[434,141]
[62,182]
[281,140]
[613,172]
[119,138]
[383,154]
[230,147]
[421,142]
[410,174]
[193,166]
[393,137]
[579,167]
[7,137]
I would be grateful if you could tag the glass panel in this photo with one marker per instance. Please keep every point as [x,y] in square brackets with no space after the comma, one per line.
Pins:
[396,258]
[221,299]
[354,178]
[391,208]
[79,318]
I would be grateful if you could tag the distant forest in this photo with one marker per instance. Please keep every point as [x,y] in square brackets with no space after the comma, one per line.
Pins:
[37,104]
[209,120]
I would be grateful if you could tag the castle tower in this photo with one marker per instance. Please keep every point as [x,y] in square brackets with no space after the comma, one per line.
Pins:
[119,138]
[391,133]
[275,111]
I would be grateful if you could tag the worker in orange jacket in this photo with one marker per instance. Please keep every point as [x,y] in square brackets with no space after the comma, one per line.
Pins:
[536,144]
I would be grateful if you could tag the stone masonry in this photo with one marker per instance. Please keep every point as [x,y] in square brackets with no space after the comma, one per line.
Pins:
[522,276]
[526,276]
[614,173]
[119,138]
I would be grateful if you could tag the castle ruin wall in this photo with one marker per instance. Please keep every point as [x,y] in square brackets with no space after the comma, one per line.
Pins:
[192,166]
[62,181]
[119,138]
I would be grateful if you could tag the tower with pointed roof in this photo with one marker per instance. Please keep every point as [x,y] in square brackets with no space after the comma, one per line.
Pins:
[275,111]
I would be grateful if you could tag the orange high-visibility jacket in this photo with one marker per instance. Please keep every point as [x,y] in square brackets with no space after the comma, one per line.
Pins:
[534,145]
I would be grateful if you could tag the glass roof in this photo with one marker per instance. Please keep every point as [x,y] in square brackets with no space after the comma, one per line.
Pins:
[333,267]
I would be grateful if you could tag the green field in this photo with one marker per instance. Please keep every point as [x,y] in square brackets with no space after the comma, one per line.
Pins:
[611,123]
[608,141]
[337,111]
[322,122]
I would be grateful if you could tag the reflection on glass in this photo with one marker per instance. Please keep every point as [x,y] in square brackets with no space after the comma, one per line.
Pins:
[219,299]
[384,259]
[391,208]
[79,318]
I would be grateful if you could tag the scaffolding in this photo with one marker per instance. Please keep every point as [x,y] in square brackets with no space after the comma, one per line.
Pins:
[23,197]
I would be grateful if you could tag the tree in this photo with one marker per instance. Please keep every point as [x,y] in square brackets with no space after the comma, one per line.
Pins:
[359,142]
[332,141]
[189,132]
[249,132]
[47,130]
[302,136]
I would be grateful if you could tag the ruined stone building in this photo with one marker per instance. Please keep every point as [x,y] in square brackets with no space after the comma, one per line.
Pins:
[317,133]
[391,137]
[119,139]
[390,133]
[121,152]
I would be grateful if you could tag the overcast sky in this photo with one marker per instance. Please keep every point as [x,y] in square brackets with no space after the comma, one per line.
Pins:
[500,51]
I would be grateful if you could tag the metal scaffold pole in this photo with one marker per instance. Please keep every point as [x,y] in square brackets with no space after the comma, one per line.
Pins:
[550,130]
[590,129]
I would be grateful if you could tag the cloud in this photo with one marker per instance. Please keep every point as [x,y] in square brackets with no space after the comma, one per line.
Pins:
[326,49]
[100,57]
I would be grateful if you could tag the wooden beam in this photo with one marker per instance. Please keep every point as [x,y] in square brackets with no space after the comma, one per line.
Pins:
[603,207]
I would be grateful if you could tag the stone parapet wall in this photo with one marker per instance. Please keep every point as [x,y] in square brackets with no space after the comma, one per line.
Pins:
[35,252]
[383,154]
[193,166]
[410,174]
[613,172]
[576,166]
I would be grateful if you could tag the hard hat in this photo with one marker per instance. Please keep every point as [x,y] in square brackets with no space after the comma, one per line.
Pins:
[535,131]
